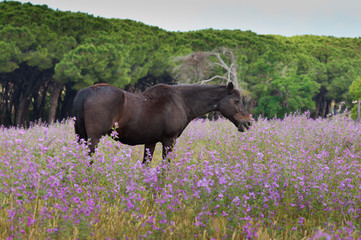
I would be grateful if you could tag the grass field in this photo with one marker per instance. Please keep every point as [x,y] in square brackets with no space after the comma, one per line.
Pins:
[292,179]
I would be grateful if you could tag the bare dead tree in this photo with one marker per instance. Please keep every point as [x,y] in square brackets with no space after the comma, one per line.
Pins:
[193,68]
[199,67]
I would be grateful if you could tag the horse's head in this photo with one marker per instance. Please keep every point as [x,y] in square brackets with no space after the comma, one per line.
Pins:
[232,108]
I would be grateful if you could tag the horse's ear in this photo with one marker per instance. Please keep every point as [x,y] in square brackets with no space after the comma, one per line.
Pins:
[230,87]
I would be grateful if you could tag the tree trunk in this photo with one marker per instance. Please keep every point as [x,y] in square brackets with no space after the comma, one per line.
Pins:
[30,80]
[20,110]
[321,104]
[38,97]
[54,101]
[358,111]
[67,104]
[326,108]
[4,101]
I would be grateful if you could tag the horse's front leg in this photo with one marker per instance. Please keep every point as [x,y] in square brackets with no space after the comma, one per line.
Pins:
[148,152]
[167,147]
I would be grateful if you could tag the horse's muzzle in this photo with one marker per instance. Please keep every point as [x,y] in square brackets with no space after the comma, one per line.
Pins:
[244,126]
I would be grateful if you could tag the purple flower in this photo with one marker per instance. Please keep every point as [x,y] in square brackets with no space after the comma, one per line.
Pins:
[301,220]
[322,236]
[76,200]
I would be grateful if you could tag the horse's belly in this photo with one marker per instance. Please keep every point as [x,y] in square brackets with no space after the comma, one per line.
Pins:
[131,140]
[149,132]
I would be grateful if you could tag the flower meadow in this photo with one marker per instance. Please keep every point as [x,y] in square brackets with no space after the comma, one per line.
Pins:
[295,178]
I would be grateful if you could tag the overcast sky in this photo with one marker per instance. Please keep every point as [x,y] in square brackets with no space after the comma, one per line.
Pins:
[339,18]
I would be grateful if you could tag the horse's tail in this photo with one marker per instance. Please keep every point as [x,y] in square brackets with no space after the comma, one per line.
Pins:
[78,112]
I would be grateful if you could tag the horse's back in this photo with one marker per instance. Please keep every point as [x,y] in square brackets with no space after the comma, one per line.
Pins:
[168,109]
[103,98]
[159,92]
[163,99]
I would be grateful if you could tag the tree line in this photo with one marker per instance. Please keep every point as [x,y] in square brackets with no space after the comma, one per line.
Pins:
[46,56]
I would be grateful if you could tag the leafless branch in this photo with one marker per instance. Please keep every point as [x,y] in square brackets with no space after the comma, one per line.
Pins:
[212,78]
[220,60]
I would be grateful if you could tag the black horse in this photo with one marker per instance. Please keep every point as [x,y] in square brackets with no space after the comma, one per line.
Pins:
[159,114]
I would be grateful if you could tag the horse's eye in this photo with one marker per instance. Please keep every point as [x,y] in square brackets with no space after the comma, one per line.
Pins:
[236,101]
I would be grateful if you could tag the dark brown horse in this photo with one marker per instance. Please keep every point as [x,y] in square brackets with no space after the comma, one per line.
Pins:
[159,114]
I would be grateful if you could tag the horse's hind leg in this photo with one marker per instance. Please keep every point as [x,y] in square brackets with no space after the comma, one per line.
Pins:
[167,147]
[97,125]
[93,144]
[148,152]
[94,135]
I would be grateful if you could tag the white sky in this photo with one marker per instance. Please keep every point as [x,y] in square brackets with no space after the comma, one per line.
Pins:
[339,18]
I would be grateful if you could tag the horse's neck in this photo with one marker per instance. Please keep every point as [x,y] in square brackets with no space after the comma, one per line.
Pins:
[202,99]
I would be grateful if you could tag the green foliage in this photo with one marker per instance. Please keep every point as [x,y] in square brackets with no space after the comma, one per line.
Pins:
[355,89]
[354,112]
[9,57]
[22,37]
[287,94]
[88,64]
[37,46]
